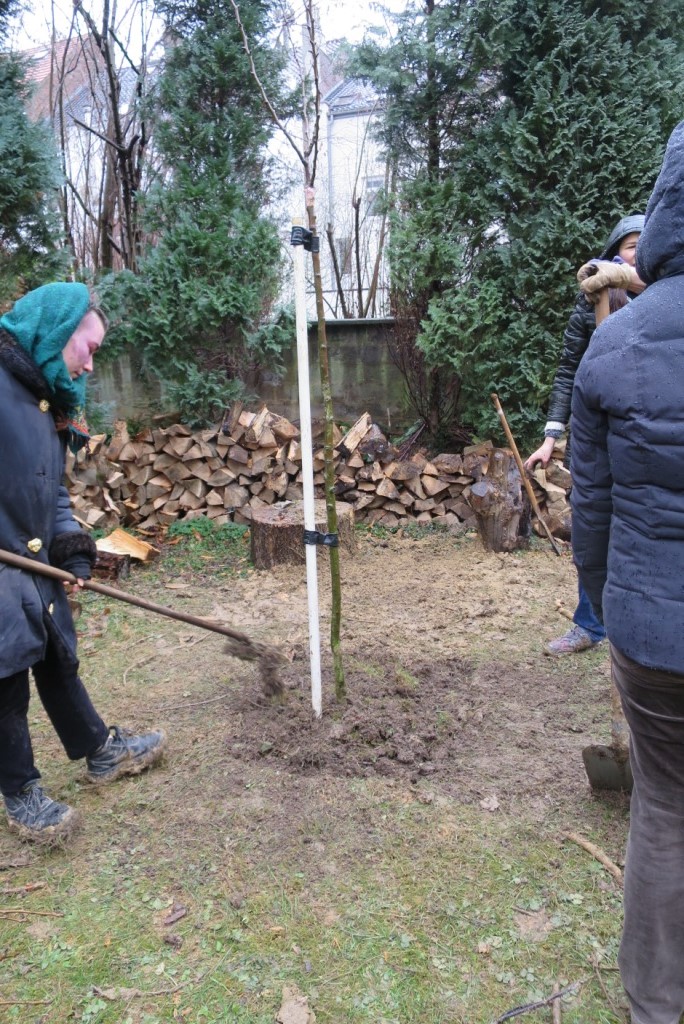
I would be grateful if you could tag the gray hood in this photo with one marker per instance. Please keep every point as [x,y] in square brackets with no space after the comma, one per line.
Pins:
[626,226]
[660,252]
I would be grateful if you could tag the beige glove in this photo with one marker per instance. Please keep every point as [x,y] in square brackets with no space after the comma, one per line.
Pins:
[599,274]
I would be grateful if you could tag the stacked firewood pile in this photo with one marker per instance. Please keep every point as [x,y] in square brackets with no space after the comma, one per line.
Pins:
[254,459]
[552,487]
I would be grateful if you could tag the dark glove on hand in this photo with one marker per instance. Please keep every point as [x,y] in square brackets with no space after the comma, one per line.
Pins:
[74,552]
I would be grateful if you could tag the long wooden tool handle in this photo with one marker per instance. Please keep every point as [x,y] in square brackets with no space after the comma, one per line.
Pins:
[602,308]
[100,588]
[521,469]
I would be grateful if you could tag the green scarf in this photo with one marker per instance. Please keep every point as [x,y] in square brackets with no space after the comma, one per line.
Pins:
[42,322]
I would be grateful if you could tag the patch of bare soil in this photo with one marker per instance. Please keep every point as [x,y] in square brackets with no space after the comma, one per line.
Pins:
[446,675]
[467,729]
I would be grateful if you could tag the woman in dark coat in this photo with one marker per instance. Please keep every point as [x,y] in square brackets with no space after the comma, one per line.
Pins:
[587,631]
[47,344]
[628,544]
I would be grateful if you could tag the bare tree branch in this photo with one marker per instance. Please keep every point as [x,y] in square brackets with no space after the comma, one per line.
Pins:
[313,49]
[264,95]
[336,271]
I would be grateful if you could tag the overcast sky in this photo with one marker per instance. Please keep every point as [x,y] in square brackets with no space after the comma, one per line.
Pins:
[346,19]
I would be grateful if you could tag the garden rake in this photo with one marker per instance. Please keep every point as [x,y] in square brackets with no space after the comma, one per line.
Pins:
[239,645]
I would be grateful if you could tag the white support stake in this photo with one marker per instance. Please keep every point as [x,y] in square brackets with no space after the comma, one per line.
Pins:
[307,473]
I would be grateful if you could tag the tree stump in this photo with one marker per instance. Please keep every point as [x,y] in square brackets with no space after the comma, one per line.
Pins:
[110,566]
[501,505]
[277,534]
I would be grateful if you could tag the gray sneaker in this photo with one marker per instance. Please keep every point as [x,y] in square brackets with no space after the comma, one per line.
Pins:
[124,753]
[38,819]
[572,642]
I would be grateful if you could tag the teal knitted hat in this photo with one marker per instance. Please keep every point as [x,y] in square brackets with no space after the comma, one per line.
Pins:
[41,322]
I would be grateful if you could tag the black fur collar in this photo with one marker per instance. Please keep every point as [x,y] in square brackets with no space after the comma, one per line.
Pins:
[21,366]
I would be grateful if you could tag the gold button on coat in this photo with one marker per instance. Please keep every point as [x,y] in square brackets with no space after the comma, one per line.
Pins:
[51,608]
[44,405]
[35,545]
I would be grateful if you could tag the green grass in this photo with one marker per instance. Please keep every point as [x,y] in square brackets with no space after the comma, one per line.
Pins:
[422,924]
[386,903]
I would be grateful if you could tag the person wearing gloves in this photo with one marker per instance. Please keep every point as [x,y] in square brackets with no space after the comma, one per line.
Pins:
[621,247]
[628,545]
[48,341]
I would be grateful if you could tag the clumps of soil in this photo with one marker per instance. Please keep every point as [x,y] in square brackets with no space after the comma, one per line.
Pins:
[394,722]
[468,730]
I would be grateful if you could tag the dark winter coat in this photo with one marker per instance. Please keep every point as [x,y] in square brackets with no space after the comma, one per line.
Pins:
[628,437]
[35,517]
[581,326]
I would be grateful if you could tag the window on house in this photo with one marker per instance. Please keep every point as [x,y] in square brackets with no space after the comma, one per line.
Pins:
[374,194]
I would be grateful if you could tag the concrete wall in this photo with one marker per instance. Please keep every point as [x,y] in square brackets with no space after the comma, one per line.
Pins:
[364,379]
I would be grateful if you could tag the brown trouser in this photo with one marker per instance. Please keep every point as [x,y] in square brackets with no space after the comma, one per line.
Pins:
[652,950]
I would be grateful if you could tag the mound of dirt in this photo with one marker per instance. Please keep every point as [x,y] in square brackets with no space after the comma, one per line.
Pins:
[469,730]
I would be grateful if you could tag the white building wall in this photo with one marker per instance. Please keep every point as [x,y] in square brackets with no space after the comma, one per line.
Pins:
[349,167]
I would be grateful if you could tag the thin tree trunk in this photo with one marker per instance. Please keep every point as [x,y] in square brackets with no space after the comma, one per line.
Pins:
[357,253]
[308,155]
[329,466]
[336,271]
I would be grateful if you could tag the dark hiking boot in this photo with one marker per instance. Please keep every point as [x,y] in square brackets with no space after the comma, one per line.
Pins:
[124,754]
[38,819]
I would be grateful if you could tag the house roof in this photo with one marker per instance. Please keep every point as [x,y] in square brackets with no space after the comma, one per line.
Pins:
[76,61]
[81,65]
[351,97]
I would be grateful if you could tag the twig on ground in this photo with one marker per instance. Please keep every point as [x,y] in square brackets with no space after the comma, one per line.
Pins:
[29,887]
[148,657]
[196,704]
[137,664]
[114,994]
[562,610]
[518,1011]
[33,913]
[193,642]
[25,1002]
[597,971]
[596,852]
[16,862]
[556,1006]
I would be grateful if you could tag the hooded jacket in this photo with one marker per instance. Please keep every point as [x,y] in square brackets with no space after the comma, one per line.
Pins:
[581,326]
[628,436]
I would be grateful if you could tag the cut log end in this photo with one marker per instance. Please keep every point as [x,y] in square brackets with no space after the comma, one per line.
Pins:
[277,533]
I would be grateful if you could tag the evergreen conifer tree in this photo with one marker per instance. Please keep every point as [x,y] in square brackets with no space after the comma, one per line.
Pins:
[206,287]
[557,131]
[29,216]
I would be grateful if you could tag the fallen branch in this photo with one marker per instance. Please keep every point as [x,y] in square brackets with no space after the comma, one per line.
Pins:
[196,704]
[25,1002]
[114,994]
[34,913]
[137,664]
[562,610]
[557,1012]
[518,1011]
[597,853]
[611,1002]
[29,887]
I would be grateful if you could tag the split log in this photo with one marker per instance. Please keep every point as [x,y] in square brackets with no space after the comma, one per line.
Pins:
[277,533]
[121,543]
[501,504]
[351,440]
